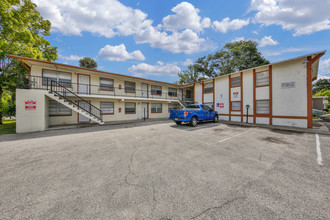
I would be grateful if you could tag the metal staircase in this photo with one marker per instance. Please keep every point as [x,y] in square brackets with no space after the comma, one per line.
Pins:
[60,94]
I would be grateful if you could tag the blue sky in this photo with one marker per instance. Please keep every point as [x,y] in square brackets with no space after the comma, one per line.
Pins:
[156,39]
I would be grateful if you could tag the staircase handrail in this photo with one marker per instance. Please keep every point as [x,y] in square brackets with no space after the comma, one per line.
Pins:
[55,84]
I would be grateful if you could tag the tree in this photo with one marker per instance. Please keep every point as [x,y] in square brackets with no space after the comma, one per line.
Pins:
[231,58]
[190,75]
[321,84]
[22,32]
[88,63]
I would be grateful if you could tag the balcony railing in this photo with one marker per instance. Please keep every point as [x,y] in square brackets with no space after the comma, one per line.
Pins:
[37,82]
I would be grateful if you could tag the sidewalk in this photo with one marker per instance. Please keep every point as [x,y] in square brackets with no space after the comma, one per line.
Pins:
[319,127]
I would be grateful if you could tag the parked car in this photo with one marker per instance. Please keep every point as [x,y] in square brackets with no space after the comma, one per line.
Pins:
[193,114]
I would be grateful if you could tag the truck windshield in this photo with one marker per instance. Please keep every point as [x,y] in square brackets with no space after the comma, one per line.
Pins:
[193,107]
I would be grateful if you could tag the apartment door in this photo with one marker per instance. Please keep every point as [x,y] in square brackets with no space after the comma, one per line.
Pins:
[144,110]
[180,94]
[83,84]
[86,106]
[144,89]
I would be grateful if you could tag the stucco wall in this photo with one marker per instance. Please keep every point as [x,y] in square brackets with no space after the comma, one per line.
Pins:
[198,93]
[31,120]
[221,95]
[290,101]
[248,93]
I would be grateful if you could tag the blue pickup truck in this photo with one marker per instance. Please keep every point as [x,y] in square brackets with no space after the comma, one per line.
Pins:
[193,114]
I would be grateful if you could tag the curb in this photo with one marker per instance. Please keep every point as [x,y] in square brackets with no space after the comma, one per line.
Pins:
[277,127]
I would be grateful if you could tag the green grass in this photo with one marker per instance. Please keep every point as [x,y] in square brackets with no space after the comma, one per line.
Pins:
[8,126]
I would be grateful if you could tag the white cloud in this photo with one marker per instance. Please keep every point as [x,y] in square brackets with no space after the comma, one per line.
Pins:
[255,32]
[237,39]
[71,57]
[110,18]
[119,53]
[104,18]
[186,16]
[187,62]
[226,25]
[267,40]
[187,41]
[325,66]
[323,77]
[160,69]
[301,16]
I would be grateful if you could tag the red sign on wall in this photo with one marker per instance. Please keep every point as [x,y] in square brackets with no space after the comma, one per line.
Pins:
[30,105]
[222,105]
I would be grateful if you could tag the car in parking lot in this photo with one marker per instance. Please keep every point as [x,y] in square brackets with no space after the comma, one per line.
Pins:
[193,114]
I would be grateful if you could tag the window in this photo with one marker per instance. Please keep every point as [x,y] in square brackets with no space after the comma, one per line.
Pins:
[210,104]
[208,87]
[188,94]
[130,87]
[172,92]
[262,78]
[63,78]
[235,81]
[156,90]
[236,106]
[193,107]
[57,109]
[172,107]
[156,107]
[107,108]
[262,107]
[129,107]
[206,107]
[106,84]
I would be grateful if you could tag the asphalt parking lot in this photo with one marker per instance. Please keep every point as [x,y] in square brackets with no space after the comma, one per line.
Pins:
[164,171]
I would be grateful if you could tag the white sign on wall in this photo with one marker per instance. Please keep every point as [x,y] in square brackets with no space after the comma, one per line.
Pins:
[288,85]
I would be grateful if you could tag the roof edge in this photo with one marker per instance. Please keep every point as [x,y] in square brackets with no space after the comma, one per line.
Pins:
[86,69]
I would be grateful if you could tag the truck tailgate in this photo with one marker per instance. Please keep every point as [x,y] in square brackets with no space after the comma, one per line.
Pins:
[177,114]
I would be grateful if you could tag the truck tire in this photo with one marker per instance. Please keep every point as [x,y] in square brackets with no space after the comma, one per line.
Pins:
[178,122]
[216,119]
[193,121]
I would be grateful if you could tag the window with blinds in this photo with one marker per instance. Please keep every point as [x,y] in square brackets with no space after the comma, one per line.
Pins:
[172,92]
[57,109]
[129,107]
[208,87]
[236,106]
[106,84]
[107,107]
[236,81]
[156,107]
[262,78]
[156,90]
[172,107]
[129,87]
[63,78]
[262,106]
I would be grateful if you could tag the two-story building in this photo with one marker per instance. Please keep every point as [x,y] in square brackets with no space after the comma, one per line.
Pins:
[60,94]
[279,93]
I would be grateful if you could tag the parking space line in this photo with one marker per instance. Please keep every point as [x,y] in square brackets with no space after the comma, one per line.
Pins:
[236,135]
[318,150]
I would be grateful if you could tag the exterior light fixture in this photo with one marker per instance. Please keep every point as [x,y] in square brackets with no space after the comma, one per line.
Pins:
[305,61]
[247,113]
